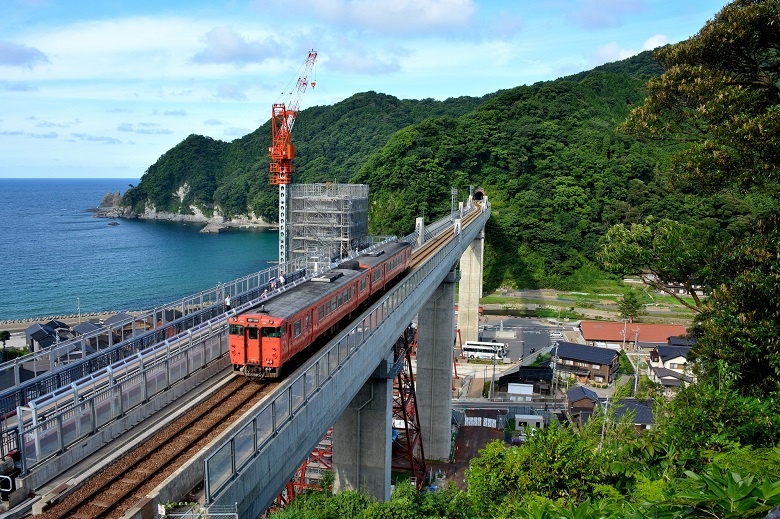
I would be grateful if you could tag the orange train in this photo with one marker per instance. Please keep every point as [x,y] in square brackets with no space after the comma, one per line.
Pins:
[263,339]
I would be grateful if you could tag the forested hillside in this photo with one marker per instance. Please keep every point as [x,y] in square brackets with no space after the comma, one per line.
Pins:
[555,168]
[332,143]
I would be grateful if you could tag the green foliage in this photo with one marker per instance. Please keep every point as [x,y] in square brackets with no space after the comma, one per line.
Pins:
[705,420]
[659,251]
[739,327]
[630,305]
[625,365]
[720,94]
[556,463]
[717,492]
[332,143]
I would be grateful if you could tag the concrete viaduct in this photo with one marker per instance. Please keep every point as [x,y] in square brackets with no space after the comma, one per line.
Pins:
[355,398]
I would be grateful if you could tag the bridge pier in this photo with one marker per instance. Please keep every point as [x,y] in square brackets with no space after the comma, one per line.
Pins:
[361,440]
[470,288]
[435,340]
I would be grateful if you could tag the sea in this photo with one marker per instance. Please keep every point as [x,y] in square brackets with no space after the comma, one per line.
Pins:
[56,258]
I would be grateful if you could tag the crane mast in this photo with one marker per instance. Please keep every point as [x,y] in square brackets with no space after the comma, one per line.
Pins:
[282,151]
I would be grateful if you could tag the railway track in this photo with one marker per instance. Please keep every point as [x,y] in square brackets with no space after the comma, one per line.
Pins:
[114,490]
[422,254]
[111,492]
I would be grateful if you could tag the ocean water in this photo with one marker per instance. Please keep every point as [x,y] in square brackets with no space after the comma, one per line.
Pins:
[57,258]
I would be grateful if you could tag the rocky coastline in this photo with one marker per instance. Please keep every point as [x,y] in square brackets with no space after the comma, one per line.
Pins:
[111,208]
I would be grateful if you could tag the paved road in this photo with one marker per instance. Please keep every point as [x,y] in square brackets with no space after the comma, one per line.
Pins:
[529,334]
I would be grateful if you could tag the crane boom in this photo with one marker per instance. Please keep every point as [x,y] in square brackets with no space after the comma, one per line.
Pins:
[282,152]
[283,116]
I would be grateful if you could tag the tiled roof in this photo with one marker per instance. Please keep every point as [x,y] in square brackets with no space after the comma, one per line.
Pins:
[85,328]
[613,331]
[681,341]
[672,352]
[670,377]
[643,411]
[118,318]
[526,373]
[583,352]
[580,392]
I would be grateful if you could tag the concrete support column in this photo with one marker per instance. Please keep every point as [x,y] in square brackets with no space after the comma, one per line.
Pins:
[361,441]
[470,288]
[419,227]
[435,340]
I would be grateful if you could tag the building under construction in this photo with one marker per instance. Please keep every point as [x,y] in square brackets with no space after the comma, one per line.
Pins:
[327,221]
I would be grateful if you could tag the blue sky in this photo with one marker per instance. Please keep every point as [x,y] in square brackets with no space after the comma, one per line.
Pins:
[102,88]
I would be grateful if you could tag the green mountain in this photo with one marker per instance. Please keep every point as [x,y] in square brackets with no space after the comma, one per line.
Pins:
[557,172]
[332,143]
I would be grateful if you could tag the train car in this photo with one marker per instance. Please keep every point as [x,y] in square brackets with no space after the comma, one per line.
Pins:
[263,339]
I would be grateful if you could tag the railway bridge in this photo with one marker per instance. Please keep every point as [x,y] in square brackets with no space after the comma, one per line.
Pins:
[346,385]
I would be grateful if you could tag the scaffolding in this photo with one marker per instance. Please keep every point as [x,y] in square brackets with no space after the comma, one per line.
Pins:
[327,221]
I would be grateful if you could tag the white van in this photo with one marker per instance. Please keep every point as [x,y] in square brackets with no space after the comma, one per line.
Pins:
[556,335]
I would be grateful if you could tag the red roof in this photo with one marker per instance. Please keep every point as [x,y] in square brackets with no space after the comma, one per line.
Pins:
[613,332]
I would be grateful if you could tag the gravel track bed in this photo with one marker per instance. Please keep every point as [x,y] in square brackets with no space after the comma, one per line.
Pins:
[212,417]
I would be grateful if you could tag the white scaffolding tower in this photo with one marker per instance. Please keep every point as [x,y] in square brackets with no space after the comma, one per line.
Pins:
[327,221]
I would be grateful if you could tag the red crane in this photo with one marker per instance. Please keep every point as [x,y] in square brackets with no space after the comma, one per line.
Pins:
[281,151]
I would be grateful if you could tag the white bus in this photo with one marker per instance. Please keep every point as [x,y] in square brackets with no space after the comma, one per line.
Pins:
[484,350]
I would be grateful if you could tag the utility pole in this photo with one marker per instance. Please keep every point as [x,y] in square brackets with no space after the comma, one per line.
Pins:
[636,368]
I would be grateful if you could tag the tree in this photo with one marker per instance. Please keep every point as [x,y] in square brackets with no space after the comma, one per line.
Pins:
[5,336]
[630,305]
[720,94]
[659,251]
[740,326]
[720,97]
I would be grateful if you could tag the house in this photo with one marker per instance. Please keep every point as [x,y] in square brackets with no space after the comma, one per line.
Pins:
[581,403]
[85,328]
[584,402]
[640,412]
[39,336]
[670,357]
[670,380]
[128,327]
[539,377]
[626,335]
[588,364]
[667,366]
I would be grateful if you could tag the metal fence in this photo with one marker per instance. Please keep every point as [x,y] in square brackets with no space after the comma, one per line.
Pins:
[227,461]
[49,423]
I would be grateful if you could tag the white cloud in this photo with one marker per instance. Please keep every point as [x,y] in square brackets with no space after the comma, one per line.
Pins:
[224,45]
[404,16]
[655,41]
[610,52]
[382,16]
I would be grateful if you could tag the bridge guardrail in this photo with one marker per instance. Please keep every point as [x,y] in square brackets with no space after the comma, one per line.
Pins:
[227,461]
[58,419]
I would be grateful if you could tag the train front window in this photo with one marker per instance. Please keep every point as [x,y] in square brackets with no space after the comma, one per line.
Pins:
[271,332]
[236,329]
[252,333]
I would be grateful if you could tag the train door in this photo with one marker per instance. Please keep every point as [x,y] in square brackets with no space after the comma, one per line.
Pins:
[274,337]
[252,345]
[237,345]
